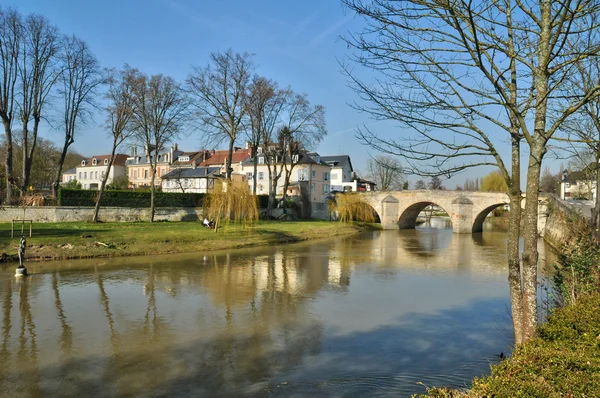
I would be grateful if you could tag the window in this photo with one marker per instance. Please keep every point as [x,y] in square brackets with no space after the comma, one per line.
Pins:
[302,175]
[261,160]
[103,173]
[325,176]
[85,175]
[261,175]
[145,173]
[80,176]
[94,162]
[312,186]
[259,150]
[325,188]
[248,176]
[83,162]
[96,175]
[105,161]
[135,174]
[314,174]
[295,158]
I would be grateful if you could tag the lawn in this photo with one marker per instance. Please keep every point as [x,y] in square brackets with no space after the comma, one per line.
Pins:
[85,240]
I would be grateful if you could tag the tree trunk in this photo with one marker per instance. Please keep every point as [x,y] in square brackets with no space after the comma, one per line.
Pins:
[9,161]
[596,209]
[228,161]
[152,188]
[530,236]
[28,154]
[63,155]
[255,165]
[104,180]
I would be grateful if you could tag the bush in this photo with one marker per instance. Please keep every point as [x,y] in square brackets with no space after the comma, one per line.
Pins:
[73,197]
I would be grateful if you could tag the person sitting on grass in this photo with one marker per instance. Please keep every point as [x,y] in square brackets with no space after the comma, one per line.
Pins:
[206,223]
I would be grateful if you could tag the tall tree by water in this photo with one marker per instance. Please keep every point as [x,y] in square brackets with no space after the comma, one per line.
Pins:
[218,91]
[10,42]
[78,81]
[443,70]
[119,113]
[38,72]
[159,112]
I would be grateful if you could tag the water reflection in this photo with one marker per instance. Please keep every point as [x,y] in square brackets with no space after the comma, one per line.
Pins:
[370,314]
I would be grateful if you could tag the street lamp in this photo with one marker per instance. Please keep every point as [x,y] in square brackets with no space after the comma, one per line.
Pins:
[564,184]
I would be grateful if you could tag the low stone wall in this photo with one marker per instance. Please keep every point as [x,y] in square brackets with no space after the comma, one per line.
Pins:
[560,222]
[107,214]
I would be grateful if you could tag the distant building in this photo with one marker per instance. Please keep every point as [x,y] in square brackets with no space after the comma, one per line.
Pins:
[196,180]
[219,158]
[91,171]
[69,175]
[578,185]
[139,168]
[343,177]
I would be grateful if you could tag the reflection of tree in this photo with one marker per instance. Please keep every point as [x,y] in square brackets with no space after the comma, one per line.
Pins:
[6,326]
[27,357]
[66,338]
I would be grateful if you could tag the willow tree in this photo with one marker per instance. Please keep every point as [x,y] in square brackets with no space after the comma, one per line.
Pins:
[159,110]
[462,78]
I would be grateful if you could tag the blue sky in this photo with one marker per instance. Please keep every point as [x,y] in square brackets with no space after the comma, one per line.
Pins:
[295,43]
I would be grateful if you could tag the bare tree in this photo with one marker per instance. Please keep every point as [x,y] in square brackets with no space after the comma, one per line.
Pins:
[37,75]
[304,128]
[10,41]
[160,106]
[420,184]
[79,78]
[219,92]
[119,110]
[263,103]
[386,172]
[446,67]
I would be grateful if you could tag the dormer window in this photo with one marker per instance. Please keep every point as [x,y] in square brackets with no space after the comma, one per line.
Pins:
[184,159]
[261,160]
[259,150]
[94,162]
[83,162]
[105,161]
[295,158]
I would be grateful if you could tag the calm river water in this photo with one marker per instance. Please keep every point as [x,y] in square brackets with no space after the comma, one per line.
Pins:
[375,314]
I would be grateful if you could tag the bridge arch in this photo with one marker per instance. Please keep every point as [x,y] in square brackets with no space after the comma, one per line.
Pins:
[481,215]
[408,218]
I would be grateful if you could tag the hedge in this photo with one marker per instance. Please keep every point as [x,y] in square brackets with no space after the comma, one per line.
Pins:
[82,197]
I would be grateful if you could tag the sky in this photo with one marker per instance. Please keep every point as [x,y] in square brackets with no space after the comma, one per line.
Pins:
[295,43]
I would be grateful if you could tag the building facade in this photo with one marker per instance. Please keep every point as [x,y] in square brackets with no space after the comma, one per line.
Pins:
[191,180]
[139,168]
[90,172]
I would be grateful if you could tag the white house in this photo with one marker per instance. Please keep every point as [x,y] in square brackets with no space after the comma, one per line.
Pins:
[577,185]
[343,177]
[91,171]
[196,180]
[69,175]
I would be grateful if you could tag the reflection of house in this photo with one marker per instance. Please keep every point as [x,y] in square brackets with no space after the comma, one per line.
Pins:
[91,171]
[578,185]
[69,175]
[139,169]
[197,180]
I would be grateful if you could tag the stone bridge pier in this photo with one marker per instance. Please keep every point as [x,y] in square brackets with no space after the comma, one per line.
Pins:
[467,210]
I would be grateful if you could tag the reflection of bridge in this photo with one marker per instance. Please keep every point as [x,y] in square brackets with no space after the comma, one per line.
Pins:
[467,210]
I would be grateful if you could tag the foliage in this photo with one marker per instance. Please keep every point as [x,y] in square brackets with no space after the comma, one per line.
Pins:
[70,197]
[351,207]
[386,172]
[494,182]
[234,203]
[435,183]
[72,184]
[562,360]
[578,272]
[550,182]
[119,183]
[420,184]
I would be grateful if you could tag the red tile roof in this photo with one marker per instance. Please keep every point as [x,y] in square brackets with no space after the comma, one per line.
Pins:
[218,158]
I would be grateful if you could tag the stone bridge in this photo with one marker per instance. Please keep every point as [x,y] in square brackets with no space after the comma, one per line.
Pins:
[467,210]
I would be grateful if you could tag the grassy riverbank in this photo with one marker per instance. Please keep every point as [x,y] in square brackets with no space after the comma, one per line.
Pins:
[562,361]
[53,241]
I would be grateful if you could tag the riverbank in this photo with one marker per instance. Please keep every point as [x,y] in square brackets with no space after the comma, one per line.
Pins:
[57,241]
[562,361]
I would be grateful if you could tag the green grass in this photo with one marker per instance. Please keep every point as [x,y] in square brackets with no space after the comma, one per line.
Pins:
[562,361]
[80,240]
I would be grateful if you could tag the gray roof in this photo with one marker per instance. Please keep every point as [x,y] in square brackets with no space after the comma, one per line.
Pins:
[71,171]
[337,161]
[198,172]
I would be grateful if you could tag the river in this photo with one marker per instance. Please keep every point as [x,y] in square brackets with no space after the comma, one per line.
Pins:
[382,313]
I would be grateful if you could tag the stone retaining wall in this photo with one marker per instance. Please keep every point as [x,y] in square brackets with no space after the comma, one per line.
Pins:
[107,214]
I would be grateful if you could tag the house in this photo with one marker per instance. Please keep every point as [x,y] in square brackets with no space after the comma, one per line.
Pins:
[91,171]
[69,175]
[219,158]
[310,176]
[196,179]
[343,177]
[578,185]
[139,169]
